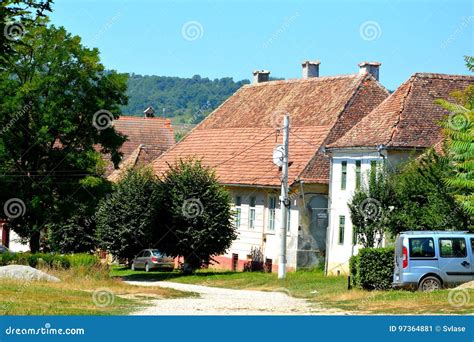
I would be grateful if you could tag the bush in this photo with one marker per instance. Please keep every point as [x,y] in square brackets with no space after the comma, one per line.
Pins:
[372,268]
[35,260]
[83,260]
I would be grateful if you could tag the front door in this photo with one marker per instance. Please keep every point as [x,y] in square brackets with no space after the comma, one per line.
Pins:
[318,206]
[455,261]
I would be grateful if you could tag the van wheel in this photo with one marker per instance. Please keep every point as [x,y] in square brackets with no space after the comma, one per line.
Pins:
[430,283]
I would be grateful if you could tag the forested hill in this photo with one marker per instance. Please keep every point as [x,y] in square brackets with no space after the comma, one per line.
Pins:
[187,100]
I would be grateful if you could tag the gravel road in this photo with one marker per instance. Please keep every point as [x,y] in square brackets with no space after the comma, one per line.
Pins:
[220,301]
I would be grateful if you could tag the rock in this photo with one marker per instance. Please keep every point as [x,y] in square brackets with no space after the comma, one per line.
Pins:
[468,285]
[22,272]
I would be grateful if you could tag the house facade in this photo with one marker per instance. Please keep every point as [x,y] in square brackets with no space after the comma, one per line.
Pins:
[237,141]
[400,128]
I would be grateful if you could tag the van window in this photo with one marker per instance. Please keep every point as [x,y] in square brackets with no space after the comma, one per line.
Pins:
[422,248]
[452,247]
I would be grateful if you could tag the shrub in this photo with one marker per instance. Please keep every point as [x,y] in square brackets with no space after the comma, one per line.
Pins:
[83,260]
[372,268]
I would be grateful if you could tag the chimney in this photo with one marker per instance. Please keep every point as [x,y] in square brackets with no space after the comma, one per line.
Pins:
[149,112]
[260,76]
[370,68]
[310,69]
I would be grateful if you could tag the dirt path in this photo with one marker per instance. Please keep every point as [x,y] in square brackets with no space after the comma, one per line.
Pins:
[220,301]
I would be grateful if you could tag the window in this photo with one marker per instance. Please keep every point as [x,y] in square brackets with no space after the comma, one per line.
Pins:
[238,211]
[358,174]
[342,227]
[252,212]
[146,254]
[422,248]
[354,237]
[452,248]
[343,175]
[271,212]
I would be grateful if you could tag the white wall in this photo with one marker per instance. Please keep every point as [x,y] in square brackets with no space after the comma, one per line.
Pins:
[338,255]
[262,236]
[16,245]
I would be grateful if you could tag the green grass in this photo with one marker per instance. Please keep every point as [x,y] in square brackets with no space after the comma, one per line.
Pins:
[74,295]
[329,292]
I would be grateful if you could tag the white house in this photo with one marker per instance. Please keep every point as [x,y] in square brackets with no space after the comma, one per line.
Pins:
[403,125]
[237,141]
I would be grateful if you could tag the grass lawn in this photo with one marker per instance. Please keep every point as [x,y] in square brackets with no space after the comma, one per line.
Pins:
[330,292]
[74,295]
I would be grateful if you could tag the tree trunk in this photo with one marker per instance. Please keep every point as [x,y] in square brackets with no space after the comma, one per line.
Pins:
[35,242]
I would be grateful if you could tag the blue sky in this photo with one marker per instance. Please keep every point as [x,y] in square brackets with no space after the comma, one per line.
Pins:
[232,38]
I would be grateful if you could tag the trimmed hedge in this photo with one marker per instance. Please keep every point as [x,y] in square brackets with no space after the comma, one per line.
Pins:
[372,268]
[49,260]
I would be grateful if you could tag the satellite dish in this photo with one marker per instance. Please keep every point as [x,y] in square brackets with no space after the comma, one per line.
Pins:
[278,154]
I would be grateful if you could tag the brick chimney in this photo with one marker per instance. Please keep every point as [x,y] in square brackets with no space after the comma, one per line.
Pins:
[370,68]
[260,76]
[310,69]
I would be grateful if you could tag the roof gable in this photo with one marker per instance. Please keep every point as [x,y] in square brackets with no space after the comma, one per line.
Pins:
[238,138]
[409,118]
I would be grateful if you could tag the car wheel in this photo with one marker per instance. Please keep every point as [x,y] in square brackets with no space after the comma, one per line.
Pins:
[430,283]
[147,268]
[133,266]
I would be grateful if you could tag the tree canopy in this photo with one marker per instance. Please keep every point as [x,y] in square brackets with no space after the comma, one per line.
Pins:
[195,220]
[190,99]
[126,217]
[55,94]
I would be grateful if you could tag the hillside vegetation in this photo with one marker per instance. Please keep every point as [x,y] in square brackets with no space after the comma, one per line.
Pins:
[184,100]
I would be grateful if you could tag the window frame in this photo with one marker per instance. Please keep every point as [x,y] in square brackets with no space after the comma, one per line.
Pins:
[358,174]
[272,212]
[252,212]
[238,211]
[344,175]
[452,256]
[342,229]
[410,246]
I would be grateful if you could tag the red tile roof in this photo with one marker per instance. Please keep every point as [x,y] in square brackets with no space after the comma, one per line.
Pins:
[147,138]
[238,138]
[409,118]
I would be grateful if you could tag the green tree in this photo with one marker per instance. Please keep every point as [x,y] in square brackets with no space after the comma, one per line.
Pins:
[459,148]
[125,218]
[422,200]
[14,16]
[56,106]
[195,220]
[369,208]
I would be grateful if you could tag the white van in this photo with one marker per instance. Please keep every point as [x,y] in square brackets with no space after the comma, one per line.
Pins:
[430,260]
